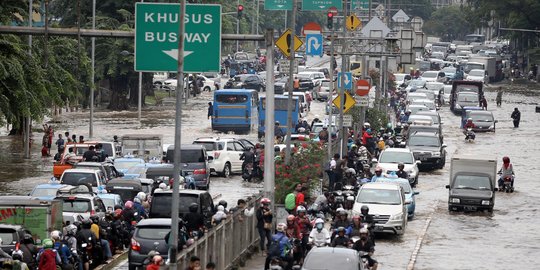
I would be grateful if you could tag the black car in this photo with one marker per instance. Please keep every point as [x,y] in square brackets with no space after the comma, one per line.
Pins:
[246,81]
[428,148]
[282,84]
[11,235]
[162,201]
[149,235]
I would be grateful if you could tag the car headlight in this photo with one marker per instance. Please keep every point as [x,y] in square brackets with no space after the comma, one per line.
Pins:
[411,173]
[455,200]
[397,217]
[486,202]
[436,154]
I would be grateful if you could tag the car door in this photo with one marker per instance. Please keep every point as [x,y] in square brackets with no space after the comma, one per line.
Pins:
[239,149]
[99,207]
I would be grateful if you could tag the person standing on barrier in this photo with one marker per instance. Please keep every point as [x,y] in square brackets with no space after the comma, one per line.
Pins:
[264,224]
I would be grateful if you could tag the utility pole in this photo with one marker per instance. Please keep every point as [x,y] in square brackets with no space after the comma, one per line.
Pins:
[92,87]
[344,68]
[331,111]
[173,240]
[28,119]
[291,84]
[269,168]
[139,97]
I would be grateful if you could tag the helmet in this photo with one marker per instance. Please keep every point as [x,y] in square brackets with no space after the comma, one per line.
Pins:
[340,209]
[366,124]
[364,230]
[351,171]
[356,217]
[368,130]
[17,255]
[277,123]
[157,259]
[378,169]
[141,195]
[193,207]
[48,243]
[137,200]
[398,124]
[94,219]
[300,209]
[353,145]
[55,235]
[163,186]
[340,229]
[281,227]
[129,204]
[87,223]
[223,202]
[221,208]
[319,220]
[401,165]
[408,111]
[469,119]
[28,237]
[389,125]
[290,218]
[506,159]
[265,201]
[71,229]
[342,213]
[364,209]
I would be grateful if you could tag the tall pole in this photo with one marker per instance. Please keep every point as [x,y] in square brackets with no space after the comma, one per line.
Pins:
[28,119]
[139,99]
[269,168]
[92,86]
[291,85]
[329,99]
[173,243]
[343,139]
[237,24]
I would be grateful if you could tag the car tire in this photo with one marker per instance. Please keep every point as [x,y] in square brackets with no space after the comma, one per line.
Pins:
[207,88]
[226,170]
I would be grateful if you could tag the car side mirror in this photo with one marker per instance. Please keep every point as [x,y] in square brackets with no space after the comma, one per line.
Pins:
[120,174]
[418,162]
[209,158]
[496,121]
[495,189]
[447,186]
[374,160]
[416,192]
[444,145]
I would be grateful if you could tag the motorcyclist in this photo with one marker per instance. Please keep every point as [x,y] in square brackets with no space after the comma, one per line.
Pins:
[405,131]
[389,129]
[141,213]
[367,246]
[354,228]
[284,245]
[278,132]
[86,236]
[128,214]
[353,156]
[324,134]
[47,257]
[322,201]
[405,117]
[401,173]
[62,249]
[248,156]
[156,263]
[304,224]
[104,250]
[194,221]
[469,124]
[506,170]
[341,239]
[319,235]
[29,250]
[378,174]
[71,241]
[224,204]
[366,217]
[293,230]
[397,129]
[349,178]
[341,220]
[18,262]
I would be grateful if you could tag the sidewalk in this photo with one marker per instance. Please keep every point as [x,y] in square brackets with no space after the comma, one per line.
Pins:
[255,263]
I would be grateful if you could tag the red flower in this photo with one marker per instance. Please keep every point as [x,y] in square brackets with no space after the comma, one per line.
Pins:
[304,145]
[277,172]
[306,167]
[317,165]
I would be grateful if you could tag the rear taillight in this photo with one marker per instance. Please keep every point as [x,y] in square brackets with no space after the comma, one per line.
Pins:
[135,245]
[216,155]
[199,171]
[93,212]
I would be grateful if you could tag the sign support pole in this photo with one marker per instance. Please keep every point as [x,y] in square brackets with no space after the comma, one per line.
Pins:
[331,112]
[173,241]
[269,168]
[343,137]
[291,84]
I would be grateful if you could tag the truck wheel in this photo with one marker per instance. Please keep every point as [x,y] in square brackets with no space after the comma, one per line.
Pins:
[226,170]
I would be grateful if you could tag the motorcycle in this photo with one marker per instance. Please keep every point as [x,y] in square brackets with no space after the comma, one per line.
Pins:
[349,193]
[339,199]
[364,256]
[469,135]
[507,185]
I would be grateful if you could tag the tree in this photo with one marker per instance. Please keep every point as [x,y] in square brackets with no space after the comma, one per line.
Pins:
[450,23]
[420,8]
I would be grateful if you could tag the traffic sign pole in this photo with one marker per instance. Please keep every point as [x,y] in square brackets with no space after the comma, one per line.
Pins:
[343,132]
[291,84]
[173,242]
[332,59]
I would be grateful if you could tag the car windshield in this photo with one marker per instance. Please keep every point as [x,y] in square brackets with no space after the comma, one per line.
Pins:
[379,196]
[334,260]
[161,204]
[126,164]
[231,98]
[136,170]
[449,70]
[395,157]
[74,179]
[467,88]
[7,236]
[478,73]
[420,83]
[304,76]
[405,185]
[108,202]
[431,141]
[211,146]
[472,182]
[429,74]
[326,84]
[44,192]
[399,77]
[467,97]
[192,156]
[76,206]
[153,232]
[482,117]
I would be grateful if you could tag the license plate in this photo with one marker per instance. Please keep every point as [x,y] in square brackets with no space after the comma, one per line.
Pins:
[378,228]
[423,158]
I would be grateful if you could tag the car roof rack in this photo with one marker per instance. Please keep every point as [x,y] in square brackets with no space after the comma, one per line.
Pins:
[79,189]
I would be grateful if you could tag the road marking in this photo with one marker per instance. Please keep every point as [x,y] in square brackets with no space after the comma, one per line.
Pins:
[420,239]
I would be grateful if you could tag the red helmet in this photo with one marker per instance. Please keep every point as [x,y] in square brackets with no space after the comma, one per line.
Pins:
[265,201]
[506,159]
[157,259]
[291,218]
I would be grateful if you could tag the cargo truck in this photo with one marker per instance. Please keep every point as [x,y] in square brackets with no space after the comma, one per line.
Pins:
[145,146]
[489,64]
[472,183]
[38,216]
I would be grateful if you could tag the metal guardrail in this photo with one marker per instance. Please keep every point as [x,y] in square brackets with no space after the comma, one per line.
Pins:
[227,243]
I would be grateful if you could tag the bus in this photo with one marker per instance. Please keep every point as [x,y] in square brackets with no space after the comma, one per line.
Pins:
[475,38]
[235,110]
[280,113]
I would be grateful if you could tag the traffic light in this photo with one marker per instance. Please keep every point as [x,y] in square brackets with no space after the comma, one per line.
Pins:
[240,9]
[330,17]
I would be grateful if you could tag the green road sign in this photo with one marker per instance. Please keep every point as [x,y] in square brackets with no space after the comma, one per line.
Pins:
[360,4]
[156,37]
[278,4]
[323,5]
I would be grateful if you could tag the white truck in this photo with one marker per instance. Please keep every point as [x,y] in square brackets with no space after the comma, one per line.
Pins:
[145,146]
[489,64]
[472,183]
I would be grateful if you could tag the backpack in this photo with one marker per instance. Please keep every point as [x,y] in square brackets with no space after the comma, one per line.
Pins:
[290,201]
[327,167]
[274,250]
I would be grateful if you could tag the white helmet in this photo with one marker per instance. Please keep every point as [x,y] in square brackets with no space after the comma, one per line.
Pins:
[163,186]
[221,208]
[319,220]
[71,229]
[55,235]
[350,170]
[141,195]
[281,227]
[364,230]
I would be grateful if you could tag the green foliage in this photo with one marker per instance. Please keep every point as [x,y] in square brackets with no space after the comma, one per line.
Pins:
[376,118]
[9,8]
[420,8]
[450,23]
[305,168]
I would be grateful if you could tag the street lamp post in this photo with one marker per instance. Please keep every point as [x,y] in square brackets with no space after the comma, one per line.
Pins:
[92,87]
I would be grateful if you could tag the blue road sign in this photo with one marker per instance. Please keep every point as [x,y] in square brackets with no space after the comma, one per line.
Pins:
[314,44]
[348,80]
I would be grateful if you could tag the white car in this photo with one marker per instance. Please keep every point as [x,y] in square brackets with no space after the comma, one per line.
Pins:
[208,84]
[224,154]
[425,102]
[402,78]
[478,75]
[93,177]
[446,95]
[387,205]
[430,76]
[415,95]
[391,157]
[415,84]
[303,100]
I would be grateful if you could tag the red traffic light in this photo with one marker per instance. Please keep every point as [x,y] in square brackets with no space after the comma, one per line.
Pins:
[240,8]
[330,15]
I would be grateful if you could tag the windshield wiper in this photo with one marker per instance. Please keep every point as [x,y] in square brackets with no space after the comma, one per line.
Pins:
[466,188]
[372,202]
